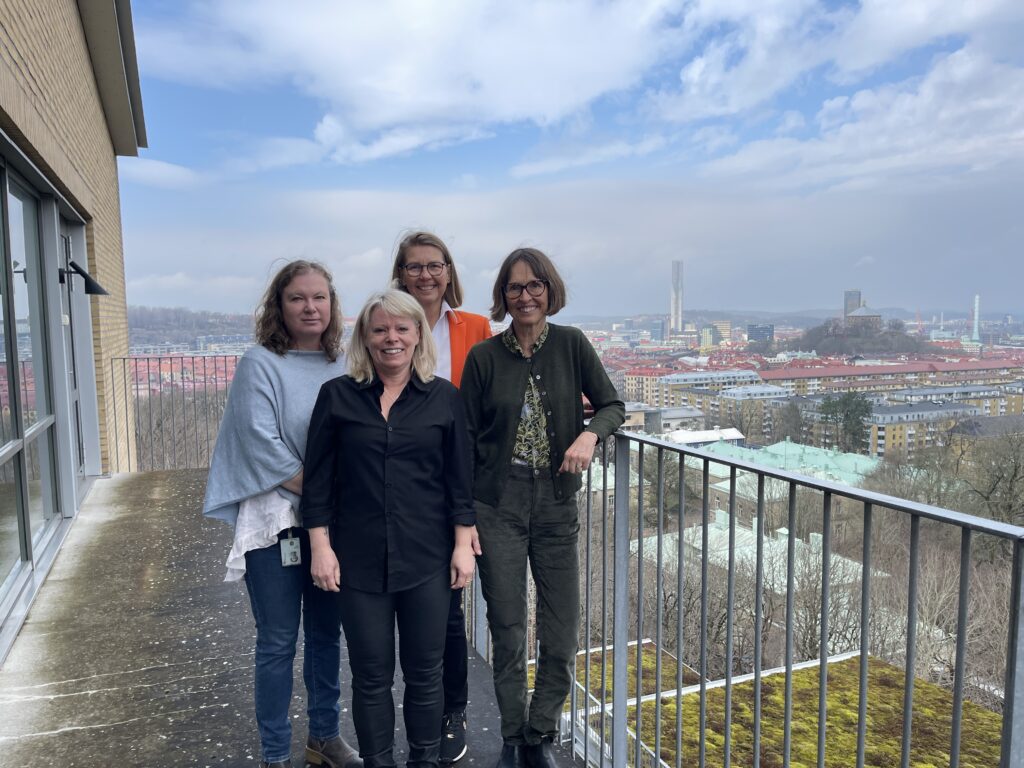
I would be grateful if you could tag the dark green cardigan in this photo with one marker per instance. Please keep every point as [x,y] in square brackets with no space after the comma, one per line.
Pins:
[493,387]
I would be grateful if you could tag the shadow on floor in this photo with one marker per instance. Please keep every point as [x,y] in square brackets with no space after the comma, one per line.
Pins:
[136,653]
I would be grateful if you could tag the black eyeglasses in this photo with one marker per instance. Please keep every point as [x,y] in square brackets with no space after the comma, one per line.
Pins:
[434,268]
[535,288]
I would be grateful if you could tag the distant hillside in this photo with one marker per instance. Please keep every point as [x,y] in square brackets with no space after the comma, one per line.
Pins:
[831,338]
[158,325]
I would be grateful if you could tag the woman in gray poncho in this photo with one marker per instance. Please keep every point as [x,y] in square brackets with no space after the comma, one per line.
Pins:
[255,483]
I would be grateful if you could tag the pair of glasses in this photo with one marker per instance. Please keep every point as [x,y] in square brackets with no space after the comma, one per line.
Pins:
[434,268]
[535,288]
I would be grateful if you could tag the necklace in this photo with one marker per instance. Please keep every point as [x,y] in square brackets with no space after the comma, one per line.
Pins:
[388,398]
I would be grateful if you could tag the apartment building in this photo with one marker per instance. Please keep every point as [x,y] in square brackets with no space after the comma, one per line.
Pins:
[865,378]
[902,430]
[642,384]
[673,388]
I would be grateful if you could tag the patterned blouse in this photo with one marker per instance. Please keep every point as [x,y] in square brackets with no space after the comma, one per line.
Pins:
[532,448]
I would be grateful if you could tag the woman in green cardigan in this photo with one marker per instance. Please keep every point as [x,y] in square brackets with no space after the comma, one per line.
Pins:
[523,394]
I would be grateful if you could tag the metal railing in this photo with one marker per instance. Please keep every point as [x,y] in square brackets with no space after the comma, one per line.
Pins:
[727,606]
[806,631]
[167,409]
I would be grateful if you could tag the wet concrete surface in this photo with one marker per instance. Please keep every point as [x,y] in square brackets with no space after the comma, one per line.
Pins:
[136,653]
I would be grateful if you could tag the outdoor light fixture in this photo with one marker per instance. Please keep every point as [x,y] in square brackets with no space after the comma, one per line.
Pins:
[92,288]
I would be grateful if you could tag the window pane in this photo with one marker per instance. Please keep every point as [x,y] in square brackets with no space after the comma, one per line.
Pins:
[10,549]
[28,314]
[6,421]
[41,507]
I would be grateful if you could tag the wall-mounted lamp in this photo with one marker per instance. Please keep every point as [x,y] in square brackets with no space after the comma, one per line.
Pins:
[92,288]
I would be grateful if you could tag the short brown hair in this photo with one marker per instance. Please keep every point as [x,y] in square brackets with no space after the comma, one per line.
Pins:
[453,294]
[270,328]
[542,267]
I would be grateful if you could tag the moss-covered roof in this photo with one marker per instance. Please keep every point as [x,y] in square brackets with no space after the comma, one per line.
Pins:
[930,740]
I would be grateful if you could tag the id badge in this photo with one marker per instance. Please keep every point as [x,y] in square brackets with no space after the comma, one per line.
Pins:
[291,551]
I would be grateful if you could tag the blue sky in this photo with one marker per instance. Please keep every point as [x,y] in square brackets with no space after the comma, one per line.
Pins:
[784,149]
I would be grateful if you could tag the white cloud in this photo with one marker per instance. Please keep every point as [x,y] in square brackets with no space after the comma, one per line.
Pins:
[882,30]
[588,156]
[398,76]
[966,114]
[790,122]
[157,173]
[750,53]
[712,138]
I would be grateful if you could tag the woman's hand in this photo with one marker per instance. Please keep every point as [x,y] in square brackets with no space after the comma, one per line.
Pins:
[324,566]
[578,455]
[467,547]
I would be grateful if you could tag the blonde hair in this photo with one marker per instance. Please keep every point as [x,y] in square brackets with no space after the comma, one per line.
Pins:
[397,304]
[453,293]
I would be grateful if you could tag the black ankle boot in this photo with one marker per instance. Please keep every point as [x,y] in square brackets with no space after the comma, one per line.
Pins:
[512,756]
[540,755]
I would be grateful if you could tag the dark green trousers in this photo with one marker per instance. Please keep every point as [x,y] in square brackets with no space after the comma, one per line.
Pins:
[530,526]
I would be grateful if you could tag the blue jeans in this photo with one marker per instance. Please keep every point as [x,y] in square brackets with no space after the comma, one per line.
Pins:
[279,595]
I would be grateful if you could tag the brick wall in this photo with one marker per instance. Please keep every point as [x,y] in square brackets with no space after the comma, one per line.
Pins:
[50,106]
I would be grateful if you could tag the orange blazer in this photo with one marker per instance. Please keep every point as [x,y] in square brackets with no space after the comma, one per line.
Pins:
[464,330]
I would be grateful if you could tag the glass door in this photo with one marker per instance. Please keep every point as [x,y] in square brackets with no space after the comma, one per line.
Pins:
[68,323]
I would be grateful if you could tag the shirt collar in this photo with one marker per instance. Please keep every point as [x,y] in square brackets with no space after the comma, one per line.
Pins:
[512,343]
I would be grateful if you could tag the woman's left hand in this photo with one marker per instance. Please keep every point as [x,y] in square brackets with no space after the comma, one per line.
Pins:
[467,547]
[579,455]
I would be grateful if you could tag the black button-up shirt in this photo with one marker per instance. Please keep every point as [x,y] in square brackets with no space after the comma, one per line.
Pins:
[390,490]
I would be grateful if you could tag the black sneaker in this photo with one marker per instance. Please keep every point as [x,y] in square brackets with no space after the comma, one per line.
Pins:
[453,738]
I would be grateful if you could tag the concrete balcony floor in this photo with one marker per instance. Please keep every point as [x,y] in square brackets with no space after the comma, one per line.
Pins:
[136,653]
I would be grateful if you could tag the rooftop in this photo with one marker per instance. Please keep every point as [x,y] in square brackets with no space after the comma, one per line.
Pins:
[136,641]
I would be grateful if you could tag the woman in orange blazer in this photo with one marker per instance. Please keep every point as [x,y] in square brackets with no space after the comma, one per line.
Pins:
[424,268]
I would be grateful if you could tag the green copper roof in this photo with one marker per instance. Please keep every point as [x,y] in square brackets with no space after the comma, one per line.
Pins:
[821,463]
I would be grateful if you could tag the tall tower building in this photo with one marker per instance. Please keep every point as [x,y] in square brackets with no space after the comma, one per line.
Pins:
[976,335]
[676,314]
[851,301]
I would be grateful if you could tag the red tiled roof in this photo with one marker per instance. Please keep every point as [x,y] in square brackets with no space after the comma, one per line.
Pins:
[831,371]
[649,371]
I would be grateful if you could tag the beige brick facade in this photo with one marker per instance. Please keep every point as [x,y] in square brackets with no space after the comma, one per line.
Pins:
[50,106]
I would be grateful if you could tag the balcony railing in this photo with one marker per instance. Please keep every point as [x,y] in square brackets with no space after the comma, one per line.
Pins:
[732,613]
[167,409]
[806,623]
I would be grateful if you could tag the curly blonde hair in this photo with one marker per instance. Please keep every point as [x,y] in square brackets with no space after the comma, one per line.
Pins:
[270,328]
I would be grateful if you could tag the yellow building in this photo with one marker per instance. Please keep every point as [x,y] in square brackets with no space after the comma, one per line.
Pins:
[901,431]
[70,103]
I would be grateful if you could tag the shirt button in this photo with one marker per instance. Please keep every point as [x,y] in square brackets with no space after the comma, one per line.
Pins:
[536,473]
[549,413]
[544,392]
[389,429]
[537,377]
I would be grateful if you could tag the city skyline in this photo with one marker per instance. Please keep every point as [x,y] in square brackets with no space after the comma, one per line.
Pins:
[783,152]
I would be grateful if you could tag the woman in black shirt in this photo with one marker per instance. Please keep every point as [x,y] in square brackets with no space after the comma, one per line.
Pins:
[388,478]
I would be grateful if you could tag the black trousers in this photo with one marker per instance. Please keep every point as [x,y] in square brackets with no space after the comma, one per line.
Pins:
[456,657]
[369,621]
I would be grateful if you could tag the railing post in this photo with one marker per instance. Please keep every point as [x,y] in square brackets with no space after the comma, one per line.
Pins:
[1013,701]
[480,641]
[620,605]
